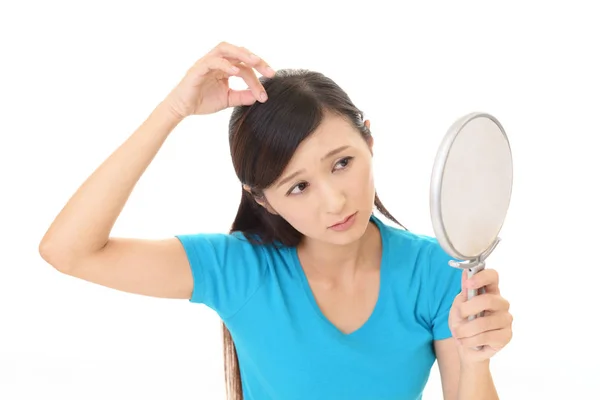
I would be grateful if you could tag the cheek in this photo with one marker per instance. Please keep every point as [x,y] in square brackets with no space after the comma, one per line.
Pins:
[361,184]
[303,214]
[297,212]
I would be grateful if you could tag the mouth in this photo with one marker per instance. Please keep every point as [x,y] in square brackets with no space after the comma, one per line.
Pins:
[342,222]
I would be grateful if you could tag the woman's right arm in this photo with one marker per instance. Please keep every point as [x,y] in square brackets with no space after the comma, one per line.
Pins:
[78,242]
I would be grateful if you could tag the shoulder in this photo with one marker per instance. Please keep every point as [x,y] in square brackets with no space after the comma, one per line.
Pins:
[416,253]
[219,248]
[227,268]
[404,245]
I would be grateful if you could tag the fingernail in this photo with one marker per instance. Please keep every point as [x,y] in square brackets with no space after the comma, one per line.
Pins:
[270,70]
[263,96]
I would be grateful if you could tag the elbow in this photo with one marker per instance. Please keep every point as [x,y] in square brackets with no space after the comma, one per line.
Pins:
[44,251]
[54,256]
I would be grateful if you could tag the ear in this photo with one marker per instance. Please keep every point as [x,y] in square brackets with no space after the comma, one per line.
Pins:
[261,201]
[265,204]
[268,207]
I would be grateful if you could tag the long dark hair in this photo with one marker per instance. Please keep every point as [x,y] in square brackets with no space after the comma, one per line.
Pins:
[263,138]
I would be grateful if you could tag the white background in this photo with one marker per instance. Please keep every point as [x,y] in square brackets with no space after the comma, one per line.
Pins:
[76,78]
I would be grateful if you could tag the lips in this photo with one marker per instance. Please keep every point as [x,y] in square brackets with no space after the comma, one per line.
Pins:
[342,221]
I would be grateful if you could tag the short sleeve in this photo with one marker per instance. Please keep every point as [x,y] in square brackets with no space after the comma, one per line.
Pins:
[444,285]
[227,269]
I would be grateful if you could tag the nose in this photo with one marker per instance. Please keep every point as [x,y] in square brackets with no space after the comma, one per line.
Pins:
[333,199]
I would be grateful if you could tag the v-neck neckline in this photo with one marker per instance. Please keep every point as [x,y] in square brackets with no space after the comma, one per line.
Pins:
[383,282]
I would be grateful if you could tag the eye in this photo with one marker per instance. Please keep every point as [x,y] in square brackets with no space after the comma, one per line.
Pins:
[299,188]
[343,163]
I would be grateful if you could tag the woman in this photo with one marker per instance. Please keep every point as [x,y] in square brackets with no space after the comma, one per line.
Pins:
[321,298]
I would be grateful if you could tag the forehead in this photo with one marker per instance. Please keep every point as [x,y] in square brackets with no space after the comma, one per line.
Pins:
[333,132]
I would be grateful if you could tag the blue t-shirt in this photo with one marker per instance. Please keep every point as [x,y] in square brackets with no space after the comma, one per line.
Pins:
[287,349]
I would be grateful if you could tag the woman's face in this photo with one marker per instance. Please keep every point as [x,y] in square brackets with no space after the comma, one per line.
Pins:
[328,180]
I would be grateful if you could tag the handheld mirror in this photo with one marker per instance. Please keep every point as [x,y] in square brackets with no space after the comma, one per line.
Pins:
[471,186]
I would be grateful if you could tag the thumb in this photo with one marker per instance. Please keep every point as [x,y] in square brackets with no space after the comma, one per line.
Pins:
[463,295]
[463,289]
[240,98]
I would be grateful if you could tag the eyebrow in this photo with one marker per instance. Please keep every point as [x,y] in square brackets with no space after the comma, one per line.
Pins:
[326,156]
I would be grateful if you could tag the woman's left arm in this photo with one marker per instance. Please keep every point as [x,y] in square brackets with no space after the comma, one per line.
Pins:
[465,371]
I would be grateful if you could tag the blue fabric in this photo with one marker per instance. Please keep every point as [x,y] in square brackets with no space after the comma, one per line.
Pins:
[286,347]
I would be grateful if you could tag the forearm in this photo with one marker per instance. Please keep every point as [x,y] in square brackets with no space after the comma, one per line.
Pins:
[85,222]
[476,383]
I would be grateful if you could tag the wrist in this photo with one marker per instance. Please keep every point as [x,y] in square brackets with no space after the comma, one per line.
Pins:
[166,110]
[160,122]
[476,381]
[475,366]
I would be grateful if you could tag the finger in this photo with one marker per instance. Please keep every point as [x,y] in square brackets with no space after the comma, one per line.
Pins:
[248,75]
[496,339]
[229,69]
[483,302]
[244,55]
[241,98]
[217,64]
[487,278]
[483,324]
[462,296]
[464,292]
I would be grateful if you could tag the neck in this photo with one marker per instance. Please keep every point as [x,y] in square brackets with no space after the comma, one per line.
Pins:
[329,262]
